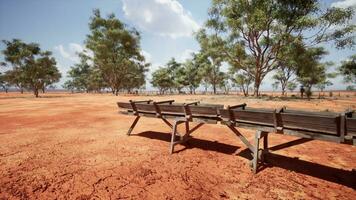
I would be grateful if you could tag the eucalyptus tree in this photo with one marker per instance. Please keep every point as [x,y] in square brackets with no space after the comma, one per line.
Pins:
[32,68]
[192,75]
[211,59]
[4,82]
[116,50]
[243,81]
[161,79]
[313,72]
[348,69]
[257,30]
[176,73]
[80,75]
[16,55]
[291,86]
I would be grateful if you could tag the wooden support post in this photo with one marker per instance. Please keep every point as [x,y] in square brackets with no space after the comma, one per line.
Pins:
[265,142]
[256,151]
[133,125]
[174,131]
[242,138]
[342,128]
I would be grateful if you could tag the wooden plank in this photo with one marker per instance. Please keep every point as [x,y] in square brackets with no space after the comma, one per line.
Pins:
[301,112]
[351,126]
[314,123]
[171,108]
[204,110]
[124,105]
[263,117]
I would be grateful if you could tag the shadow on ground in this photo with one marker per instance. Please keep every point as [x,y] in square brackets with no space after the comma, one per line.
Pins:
[192,143]
[331,174]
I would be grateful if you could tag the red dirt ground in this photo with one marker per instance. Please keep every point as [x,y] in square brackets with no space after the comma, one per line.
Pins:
[74,146]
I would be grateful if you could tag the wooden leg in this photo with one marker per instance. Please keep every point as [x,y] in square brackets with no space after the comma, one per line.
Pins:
[265,147]
[265,143]
[174,130]
[133,125]
[255,152]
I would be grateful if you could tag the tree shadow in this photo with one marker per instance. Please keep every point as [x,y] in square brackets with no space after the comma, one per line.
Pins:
[192,143]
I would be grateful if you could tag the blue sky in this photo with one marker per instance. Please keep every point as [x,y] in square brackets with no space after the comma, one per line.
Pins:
[165,27]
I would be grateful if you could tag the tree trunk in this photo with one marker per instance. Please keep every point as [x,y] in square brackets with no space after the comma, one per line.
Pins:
[36,92]
[21,90]
[257,86]
[283,89]
[214,89]
[43,90]
[117,92]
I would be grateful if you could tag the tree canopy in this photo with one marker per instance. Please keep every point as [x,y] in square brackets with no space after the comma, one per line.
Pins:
[31,68]
[117,53]
[348,69]
[252,35]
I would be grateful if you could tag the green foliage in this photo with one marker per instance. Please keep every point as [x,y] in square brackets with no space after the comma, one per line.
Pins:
[116,51]
[191,76]
[311,71]
[241,80]
[31,68]
[350,88]
[4,82]
[348,69]
[162,80]
[291,86]
[80,76]
[253,35]
[210,59]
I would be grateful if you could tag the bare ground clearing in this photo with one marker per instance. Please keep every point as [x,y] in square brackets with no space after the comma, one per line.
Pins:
[73,146]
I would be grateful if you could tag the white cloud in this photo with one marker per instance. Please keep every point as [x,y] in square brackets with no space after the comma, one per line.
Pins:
[161,17]
[148,57]
[186,54]
[344,3]
[71,53]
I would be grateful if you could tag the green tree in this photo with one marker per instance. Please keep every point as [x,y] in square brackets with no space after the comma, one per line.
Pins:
[291,86]
[242,80]
[80,76]
[192,76]
[256,32]
[31,68]
[4,82]
[176,73]
[348,69]
[116,51]
[312,71]
[161,79]
[211,59]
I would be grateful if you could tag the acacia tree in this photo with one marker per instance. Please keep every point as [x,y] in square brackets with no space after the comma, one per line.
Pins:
[31,68]
[257,30]
[116,50]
